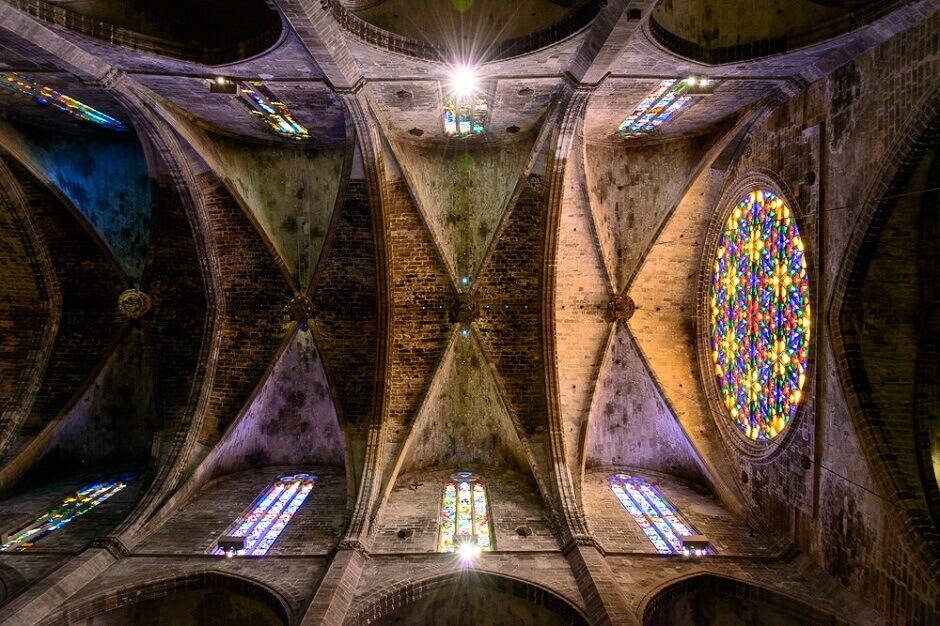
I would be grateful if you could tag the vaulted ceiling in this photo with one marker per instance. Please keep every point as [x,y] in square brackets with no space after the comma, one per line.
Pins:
[383,298]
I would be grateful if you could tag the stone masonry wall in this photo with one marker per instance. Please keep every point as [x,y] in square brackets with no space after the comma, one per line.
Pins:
[90,282]
[850,528]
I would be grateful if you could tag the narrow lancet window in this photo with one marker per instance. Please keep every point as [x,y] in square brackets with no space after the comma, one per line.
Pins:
[262,103]
[656,108]
[654,515]
[261,525]
[465,518]
[78,503]
[44,94]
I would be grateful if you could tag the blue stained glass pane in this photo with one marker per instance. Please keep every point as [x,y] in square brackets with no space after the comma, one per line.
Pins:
[652,513]
[47,95]
[655,109]
[630,125]
[269,516]
[72,506]
[262,103]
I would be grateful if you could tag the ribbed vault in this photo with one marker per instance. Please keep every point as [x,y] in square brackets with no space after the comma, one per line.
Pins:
[381,305]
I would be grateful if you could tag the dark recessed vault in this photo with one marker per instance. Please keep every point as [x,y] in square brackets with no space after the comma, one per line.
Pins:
[728,32]
[205,31]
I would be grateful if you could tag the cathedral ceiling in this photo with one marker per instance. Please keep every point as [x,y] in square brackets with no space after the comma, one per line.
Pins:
[378,298]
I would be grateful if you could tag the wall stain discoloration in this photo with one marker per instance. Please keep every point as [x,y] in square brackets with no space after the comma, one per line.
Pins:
[843,88]
[106,179]
[291,420]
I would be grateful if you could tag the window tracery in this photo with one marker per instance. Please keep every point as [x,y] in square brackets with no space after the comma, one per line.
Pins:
[653,514]
[465,116]
[759,315]
[464,513]
[656,108]
[72,506]
[263,523]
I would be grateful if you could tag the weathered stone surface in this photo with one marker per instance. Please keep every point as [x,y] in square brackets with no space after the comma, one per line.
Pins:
[103,176]
[536,373]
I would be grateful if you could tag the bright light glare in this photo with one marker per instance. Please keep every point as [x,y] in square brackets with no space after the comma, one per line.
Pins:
[468,551]
[463,81]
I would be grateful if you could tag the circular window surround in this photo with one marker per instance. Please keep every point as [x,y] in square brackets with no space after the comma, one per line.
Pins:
[751,181]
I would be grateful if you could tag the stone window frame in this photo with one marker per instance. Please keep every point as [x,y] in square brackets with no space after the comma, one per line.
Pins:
[454,477]
[486,91]
[752,180]
[268,488]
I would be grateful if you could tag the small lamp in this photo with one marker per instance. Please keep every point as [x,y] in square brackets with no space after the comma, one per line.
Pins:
[694,545]
[231,545]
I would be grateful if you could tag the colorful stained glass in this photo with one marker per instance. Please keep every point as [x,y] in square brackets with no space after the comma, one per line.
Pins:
[274,113]
[72,506]
[658,106]
[760,315]
[270,514]
[464,512]
[47,95]
[465,117]
[652,513]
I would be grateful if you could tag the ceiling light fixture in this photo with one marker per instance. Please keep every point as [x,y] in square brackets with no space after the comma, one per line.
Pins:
[463,81]
[223,84]
[699,84]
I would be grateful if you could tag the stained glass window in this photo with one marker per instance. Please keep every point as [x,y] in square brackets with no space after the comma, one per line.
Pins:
[654,515]
[270,514]
[71,507]
[47,95]
[465,117]
[760,315]
[656,108]
[274,113]
[464,513]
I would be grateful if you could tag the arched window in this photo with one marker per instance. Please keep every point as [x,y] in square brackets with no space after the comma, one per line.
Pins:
[658,106]
[654,515]
[465,513]
[760,315]
[260,526]
[71,507]
[47,95]
[465,116]
[262,102]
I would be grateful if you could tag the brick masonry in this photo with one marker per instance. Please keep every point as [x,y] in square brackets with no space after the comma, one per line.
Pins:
[255,293]
[509,293]
[421,296]
[815,521]
[344,299]
[25,308]
[175,282]
[90,282]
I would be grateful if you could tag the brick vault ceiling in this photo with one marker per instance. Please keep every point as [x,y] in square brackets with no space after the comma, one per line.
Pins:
[377,299]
